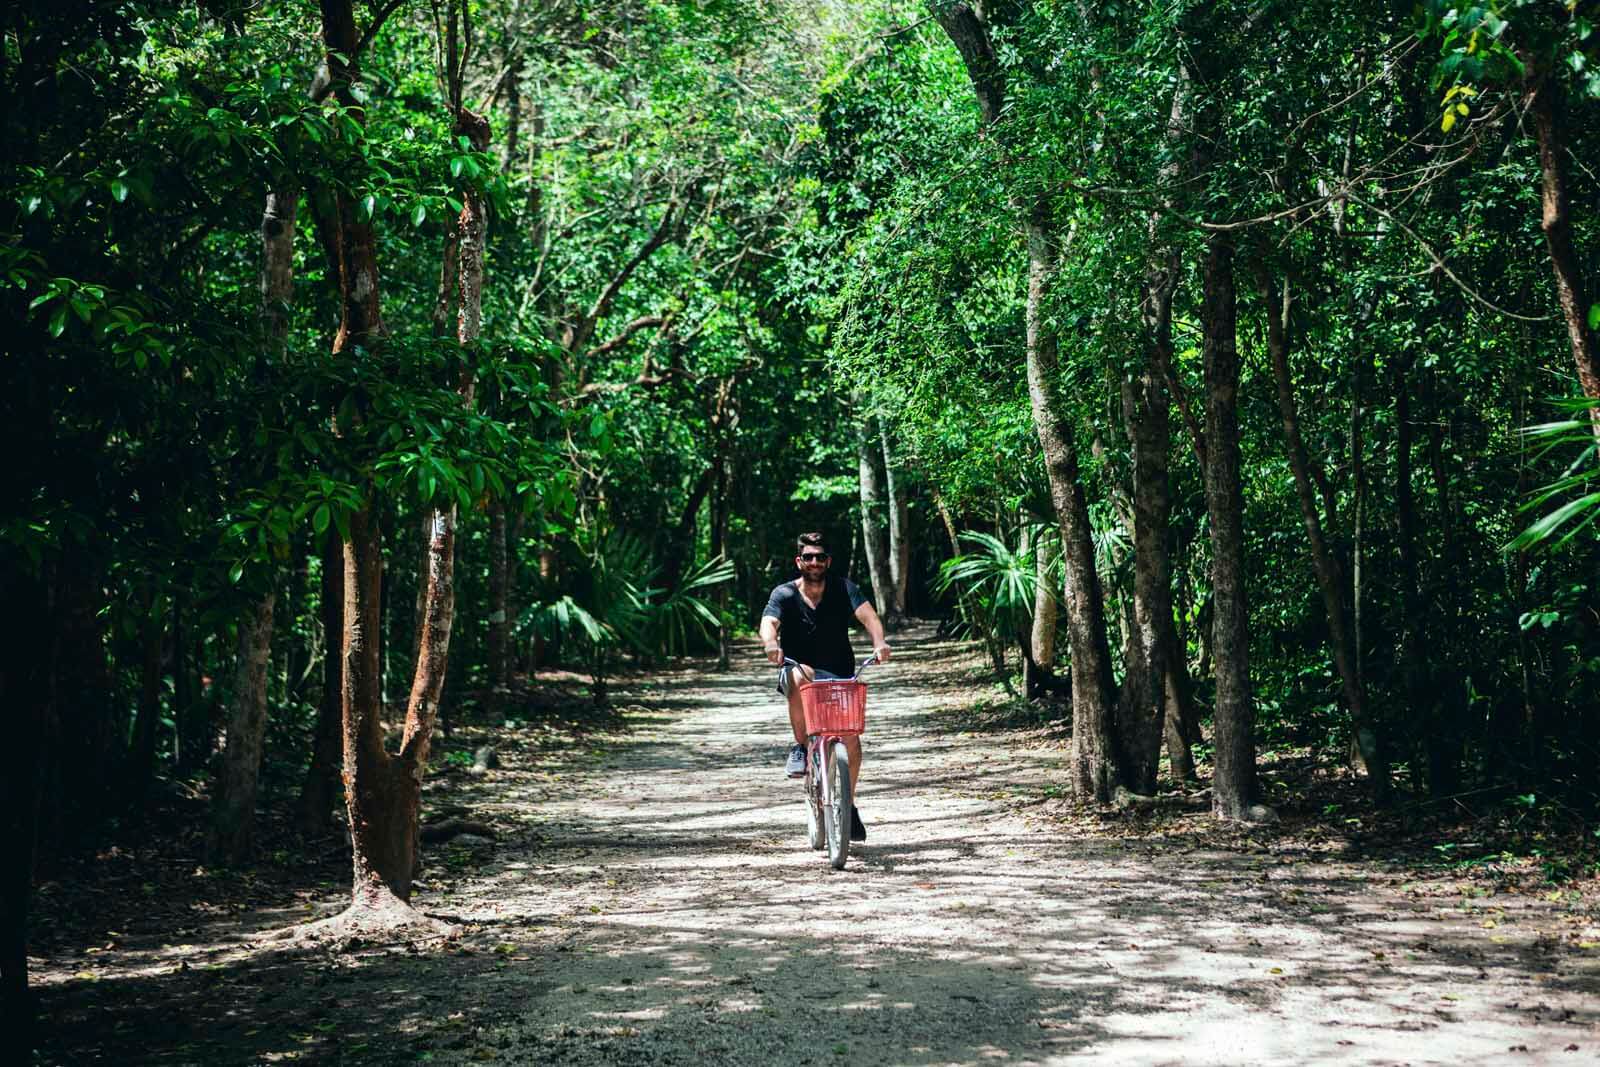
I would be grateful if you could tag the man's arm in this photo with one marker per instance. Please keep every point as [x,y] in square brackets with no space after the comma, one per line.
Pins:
[867,615]
[769,639]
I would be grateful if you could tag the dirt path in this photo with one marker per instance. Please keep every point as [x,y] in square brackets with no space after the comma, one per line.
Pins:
[658,906]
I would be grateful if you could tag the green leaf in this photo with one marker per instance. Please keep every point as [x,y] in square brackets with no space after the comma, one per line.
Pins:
[456,166]
[419,214]
[319,519]
[119,190]
[369,205]
[1594,316]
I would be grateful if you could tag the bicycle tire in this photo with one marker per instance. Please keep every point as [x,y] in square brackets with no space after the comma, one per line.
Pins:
[838,805]
[816,832]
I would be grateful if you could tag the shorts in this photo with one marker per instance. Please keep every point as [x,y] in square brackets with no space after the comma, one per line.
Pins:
[820,676]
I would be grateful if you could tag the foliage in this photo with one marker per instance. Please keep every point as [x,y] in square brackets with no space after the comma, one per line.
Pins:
[995,586]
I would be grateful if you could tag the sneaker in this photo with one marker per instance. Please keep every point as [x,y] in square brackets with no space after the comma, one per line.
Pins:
[796,767]
[858,829]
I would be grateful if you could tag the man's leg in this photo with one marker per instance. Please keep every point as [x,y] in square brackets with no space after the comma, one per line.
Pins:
[792,676]
[858,829]
[852,745]
[797,714]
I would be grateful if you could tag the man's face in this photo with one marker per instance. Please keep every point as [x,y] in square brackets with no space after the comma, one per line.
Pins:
[813,562]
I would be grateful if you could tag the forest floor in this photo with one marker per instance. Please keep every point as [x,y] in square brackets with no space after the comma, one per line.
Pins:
[647,898]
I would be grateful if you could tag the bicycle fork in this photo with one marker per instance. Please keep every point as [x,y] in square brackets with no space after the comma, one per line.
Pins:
[823,753]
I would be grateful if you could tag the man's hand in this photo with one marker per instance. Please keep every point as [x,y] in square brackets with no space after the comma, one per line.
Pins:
[774,653]
[881,650]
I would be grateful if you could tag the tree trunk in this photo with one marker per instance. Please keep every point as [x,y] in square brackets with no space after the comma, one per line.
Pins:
[76,784]
[948,522]
[899,529]
[1142,710]
[1414,627]
[1095,766]
[499,611]
[680,548]
[1233,783]
[1556,221]
[1325,564]
[1042,638]
[317,792]
[233,816]
[27,690]
[722,422]
[182,676]
[1180,725]
[438,552]
[142,757]
[1163,708]
[1451,701]
[381,798]
[869,454]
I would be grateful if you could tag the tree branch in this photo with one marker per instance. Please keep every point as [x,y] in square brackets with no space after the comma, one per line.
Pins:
[628,331]
[583,330]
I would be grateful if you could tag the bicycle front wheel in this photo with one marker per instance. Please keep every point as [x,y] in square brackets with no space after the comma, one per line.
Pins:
[838,805]
[816,831]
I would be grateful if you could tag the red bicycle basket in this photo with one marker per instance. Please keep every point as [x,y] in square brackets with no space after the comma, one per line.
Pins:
[835,707]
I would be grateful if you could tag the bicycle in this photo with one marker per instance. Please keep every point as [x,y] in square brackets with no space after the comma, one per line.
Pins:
[835,708]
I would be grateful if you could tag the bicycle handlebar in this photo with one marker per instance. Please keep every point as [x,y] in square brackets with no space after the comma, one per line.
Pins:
[863,665]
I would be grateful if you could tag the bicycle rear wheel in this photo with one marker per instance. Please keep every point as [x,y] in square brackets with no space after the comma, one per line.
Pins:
[838,805]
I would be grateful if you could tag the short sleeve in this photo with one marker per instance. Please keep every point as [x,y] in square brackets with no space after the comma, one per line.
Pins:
[857,597]
[774,608]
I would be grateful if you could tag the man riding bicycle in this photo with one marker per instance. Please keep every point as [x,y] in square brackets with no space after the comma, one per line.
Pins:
[808,620]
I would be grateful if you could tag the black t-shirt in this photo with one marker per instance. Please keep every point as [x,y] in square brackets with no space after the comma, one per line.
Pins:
[820,636]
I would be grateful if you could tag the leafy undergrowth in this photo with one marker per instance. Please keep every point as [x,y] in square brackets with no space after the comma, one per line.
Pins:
[146,915]
[1483,844]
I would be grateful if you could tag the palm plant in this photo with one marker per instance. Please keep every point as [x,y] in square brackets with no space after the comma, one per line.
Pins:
[608,603]
[1578,480]
[995,587]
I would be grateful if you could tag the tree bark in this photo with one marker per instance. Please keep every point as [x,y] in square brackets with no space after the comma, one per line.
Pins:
[233,817]
[182,675]
[1556,221]
[142,757]
[317,792]
[1042,638]
[1325,564]
[438,552]
[1233,782]
[719,533]
[1143,709]
[76,784]
[899,529]
[381,797]
[499,609]
[680,547]
[27,692]
[1147,410]
[948,522]
[1096,770]
[1095,763]
[869,455]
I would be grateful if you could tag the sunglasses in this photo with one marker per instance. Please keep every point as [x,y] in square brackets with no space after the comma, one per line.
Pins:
[813,557]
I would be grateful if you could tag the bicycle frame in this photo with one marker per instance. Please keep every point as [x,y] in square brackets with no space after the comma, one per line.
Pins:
[818,782]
